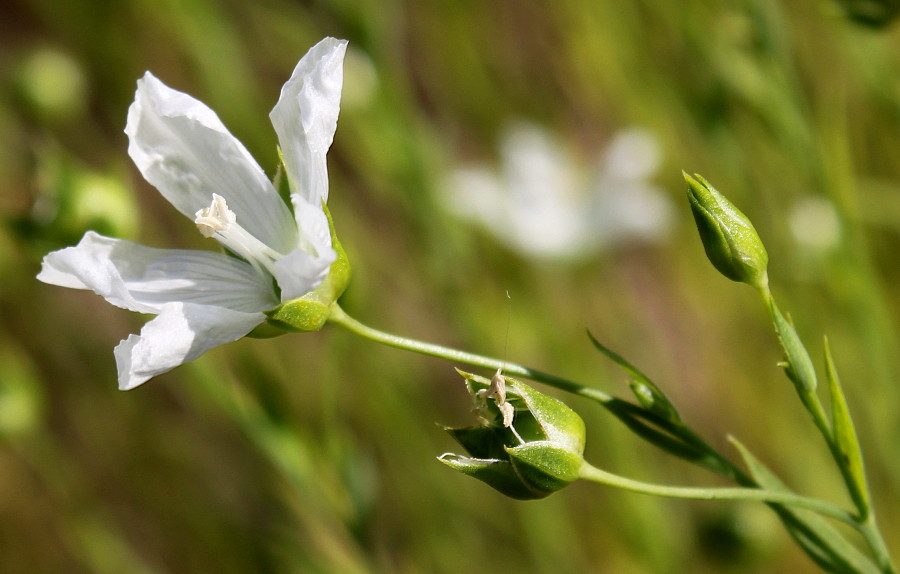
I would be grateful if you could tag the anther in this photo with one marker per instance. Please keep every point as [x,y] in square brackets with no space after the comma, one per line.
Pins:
[216,217]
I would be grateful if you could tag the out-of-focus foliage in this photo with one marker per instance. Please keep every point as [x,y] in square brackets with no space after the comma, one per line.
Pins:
[315,452]
[875,13]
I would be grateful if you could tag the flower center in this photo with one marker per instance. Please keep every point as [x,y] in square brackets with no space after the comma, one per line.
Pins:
[220,222]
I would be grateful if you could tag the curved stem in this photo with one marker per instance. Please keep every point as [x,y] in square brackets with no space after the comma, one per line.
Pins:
[868,529]
[870,532]
[338,316]
[594,474]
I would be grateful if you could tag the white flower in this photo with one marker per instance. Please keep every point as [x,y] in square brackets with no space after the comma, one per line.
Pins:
[204,299]
[815,224]
[545,206]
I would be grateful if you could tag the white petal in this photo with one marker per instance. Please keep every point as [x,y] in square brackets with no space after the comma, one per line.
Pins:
[298,272]
[143,279]
[315,235]
[305,117]
[185,151]
[478,194]
[181,333]
[633,154]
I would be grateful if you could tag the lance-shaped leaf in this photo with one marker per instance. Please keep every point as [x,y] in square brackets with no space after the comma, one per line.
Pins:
[648,393]
[821,541]
[798,365]
[850,457]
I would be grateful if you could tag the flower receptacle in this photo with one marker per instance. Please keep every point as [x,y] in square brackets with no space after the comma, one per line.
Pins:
[311,312]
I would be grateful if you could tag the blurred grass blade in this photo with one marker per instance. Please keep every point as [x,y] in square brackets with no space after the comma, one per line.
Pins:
[648,394]
[846,440]
[821,541]
[873,13]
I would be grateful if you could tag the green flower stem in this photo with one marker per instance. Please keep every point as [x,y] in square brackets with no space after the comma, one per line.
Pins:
[715,462]
[809,397]
[723,465]
[813,405]
[866,524]
[623,410]
[341,318]
[870,532]
[594,474]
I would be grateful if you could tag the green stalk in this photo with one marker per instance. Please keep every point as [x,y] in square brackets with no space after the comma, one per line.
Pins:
[339,317]
[594,474]
[870,532]
[723,465]
[866,524]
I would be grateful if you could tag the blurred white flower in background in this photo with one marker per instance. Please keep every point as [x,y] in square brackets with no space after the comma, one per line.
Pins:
[815,224]
[544,205]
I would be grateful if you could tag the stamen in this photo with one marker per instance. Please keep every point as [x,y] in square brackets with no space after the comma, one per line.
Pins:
[220,222]
[216,217]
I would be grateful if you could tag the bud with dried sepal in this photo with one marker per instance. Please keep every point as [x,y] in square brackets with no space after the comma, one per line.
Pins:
[528,454]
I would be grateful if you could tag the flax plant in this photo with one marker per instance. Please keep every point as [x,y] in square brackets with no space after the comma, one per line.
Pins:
[283,269]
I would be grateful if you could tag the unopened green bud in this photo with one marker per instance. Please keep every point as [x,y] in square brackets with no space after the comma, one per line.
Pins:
[310,312]
[533,453]
[731,243]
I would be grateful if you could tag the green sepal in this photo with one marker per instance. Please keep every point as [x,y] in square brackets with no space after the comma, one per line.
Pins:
[280,181]
[311,311]
[797,364]
[496,473]
[545,466]
[483,442]
[821,541]
[539,417]
[539,454]
[729,239]
[846,440]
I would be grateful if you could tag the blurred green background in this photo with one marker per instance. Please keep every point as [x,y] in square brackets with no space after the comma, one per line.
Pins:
[315,453]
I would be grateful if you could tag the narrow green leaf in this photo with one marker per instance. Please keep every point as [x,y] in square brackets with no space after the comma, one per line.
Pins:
[646,391]
[799,367]
[666,435]
[654,429]
[821,541]
[846,440]
[653,400]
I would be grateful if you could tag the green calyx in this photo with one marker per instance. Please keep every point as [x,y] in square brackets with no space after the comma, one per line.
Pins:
[310,312]
[539,453]
[729,239]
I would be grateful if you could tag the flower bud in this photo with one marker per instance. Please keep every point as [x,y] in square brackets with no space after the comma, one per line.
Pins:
[731,243]
[311,311]
[538,453]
